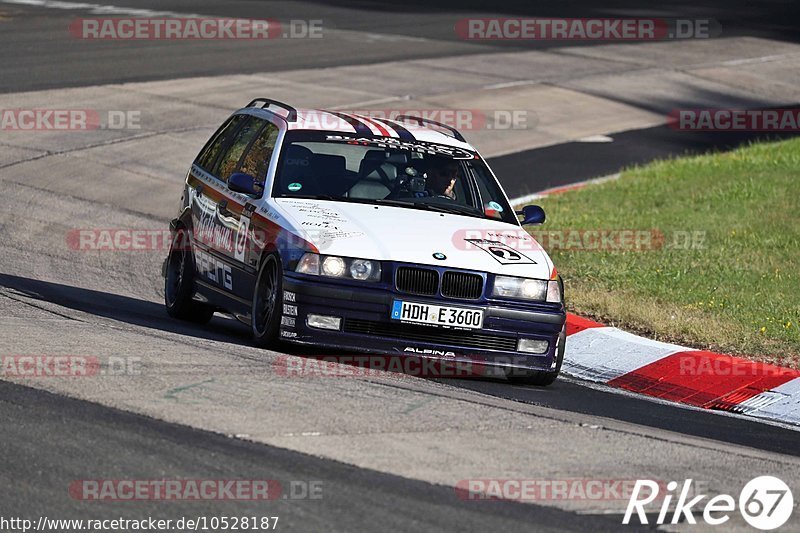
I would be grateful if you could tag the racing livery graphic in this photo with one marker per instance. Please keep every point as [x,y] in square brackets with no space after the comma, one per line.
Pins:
[338,230]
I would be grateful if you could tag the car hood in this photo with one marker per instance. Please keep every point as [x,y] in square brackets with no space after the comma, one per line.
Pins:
[406,235]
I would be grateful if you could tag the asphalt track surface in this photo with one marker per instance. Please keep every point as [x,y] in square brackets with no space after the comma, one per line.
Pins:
[125,443]
[45,56]
[566,163]
[568,395]
[69,434]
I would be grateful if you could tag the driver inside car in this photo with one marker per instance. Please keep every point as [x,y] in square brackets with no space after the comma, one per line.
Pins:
[438,180]
[442,179]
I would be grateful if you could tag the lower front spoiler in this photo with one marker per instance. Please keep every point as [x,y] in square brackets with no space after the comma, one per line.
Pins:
[366,331]
[422,362]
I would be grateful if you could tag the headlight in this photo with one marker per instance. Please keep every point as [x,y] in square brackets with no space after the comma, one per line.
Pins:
[339,267]
[362,268]
[533,289]
[527,289]
[333,266]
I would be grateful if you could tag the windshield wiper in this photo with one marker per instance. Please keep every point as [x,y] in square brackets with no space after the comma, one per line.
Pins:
[368,201]
[455,209]
[397,203]
[441,208]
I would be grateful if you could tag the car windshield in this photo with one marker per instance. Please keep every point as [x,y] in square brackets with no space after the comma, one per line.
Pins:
[388,171]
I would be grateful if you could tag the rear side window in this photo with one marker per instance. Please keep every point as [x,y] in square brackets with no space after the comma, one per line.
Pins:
[229,161]
[212,150]
[257,158]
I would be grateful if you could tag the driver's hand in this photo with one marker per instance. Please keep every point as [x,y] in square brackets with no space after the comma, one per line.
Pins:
[449,191]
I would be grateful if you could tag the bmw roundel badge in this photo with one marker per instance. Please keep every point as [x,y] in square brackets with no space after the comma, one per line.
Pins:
[440,256]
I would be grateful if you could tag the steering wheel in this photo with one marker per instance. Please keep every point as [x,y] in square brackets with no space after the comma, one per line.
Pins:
[444,196]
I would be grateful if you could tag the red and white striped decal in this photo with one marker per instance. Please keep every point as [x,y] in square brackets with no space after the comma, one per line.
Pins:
[375,124]
[670,372]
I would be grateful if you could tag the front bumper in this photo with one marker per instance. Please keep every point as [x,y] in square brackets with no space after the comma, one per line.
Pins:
[366,326]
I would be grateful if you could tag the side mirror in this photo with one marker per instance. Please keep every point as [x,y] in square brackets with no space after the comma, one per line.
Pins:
[532,214]
[245,184]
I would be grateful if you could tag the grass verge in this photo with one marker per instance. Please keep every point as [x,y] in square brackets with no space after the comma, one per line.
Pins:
[710,257]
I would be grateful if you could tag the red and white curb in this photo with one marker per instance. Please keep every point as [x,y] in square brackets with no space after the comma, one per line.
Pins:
[709,380]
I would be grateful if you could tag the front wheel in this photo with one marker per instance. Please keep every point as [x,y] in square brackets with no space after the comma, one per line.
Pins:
[267,301]
[540,378]
[179,284]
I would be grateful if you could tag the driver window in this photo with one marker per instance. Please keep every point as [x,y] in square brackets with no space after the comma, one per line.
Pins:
[256,160]
[229,161]
[211,152]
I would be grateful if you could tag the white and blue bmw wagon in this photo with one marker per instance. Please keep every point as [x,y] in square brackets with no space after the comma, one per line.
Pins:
[373,235]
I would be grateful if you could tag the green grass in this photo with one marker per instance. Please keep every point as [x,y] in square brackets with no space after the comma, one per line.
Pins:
[737,293]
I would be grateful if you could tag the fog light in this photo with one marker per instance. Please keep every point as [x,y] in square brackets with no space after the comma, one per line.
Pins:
[324,322]
[532,346]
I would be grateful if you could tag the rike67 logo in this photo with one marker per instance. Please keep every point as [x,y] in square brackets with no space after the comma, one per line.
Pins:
[766,503]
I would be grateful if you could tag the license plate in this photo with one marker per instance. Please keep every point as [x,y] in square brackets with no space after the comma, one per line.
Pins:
[437,315]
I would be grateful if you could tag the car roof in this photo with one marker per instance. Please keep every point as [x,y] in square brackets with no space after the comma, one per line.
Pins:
[359,124]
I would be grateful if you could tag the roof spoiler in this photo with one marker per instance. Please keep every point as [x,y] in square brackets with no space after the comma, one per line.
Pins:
[266,102]
[422,121]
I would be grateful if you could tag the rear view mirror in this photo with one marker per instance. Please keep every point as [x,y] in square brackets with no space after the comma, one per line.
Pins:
[245,184]
[532,214]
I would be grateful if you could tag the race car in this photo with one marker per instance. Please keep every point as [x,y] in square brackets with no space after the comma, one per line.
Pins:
[376,235]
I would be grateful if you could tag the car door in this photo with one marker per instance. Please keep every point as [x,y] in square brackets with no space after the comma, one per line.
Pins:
[216,210]
[237,213]
[204,191]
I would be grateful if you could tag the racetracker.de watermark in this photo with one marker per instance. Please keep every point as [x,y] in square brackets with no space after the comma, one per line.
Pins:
[586,29]
[194,489]
[584,240]
[415,362]
[75,366]
[717,119]
[534,489]
[193,28]
[711,364]
[580,240]
[176,490]
[460,119]
[41,119]
[163,240]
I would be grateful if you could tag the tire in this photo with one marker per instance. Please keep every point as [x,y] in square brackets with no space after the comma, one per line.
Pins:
[266,311]
[539,378]
[179,284]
